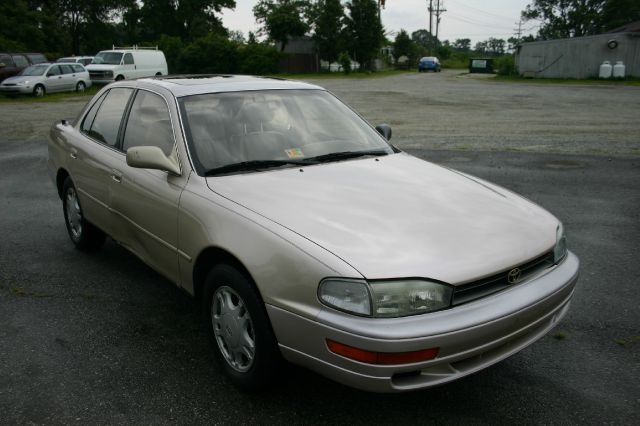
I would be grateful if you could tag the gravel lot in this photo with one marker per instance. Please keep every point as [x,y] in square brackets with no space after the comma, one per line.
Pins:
[450,110]
[102,339]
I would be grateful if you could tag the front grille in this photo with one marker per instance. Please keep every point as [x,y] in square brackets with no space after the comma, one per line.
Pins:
[498,282]
[9,84]
[100,74]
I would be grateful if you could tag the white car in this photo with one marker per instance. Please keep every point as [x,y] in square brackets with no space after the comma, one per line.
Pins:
[84,60]
[122,63]
[41,79]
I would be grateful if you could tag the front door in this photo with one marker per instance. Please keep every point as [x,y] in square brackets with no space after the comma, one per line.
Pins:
[145,201]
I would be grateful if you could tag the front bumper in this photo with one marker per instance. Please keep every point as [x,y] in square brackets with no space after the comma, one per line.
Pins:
[470,337]
[16,90]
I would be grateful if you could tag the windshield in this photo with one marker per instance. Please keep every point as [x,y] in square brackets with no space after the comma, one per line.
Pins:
[109,58]
[34,70]
[288,125]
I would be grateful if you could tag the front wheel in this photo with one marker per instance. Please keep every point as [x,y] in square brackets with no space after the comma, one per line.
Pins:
[39,91]
[120,77]
[83,234]
[239,328]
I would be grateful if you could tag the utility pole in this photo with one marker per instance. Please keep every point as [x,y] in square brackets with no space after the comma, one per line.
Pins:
[430,25]
[439,11]
[519,29]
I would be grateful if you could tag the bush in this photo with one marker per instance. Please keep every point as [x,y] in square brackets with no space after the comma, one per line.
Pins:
[505,65]
[345,62]
[258,59]
[211,54]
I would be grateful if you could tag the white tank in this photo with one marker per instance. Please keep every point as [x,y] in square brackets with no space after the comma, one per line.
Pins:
[606,69]
[619,70]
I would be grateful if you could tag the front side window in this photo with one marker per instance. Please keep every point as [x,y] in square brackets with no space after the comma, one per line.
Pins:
[106,124]
[224,129]
[149,123]
[128,59]
[37,58]
[54,70]
[20,61]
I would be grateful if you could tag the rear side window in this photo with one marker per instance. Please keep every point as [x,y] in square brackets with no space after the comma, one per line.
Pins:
[77,68]
[106,123]
[149,123]
[37,58]
[91,115]
[20,61]
[6,60]
[128,59]
[66,69]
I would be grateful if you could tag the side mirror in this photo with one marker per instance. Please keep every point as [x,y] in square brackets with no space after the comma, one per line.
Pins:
[151,157]
[384,130]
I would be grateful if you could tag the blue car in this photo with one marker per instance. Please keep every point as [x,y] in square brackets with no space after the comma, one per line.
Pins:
[429,63]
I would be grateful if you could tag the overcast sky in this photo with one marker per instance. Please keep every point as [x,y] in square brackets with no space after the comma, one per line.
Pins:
[474,19]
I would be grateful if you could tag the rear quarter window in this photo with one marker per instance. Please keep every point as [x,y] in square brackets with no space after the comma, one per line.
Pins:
[78,68]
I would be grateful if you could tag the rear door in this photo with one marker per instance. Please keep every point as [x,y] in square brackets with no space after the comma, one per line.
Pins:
[53,81]
[94,156]
[68,78]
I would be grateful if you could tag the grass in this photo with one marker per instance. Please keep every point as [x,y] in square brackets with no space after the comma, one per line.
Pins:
[628,340]
[340,75]
[628,81]
[54,97]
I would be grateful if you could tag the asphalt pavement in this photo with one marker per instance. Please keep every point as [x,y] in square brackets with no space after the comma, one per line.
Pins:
[102,339]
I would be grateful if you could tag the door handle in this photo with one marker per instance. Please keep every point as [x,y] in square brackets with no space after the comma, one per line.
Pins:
[73,154]
[116,176]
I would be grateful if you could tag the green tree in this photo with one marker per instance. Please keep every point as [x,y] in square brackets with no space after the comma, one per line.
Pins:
[617,13]
[282,19]
[566,18]
[328,16]
[462,44]
[425,39]
[363,30]
[403,46]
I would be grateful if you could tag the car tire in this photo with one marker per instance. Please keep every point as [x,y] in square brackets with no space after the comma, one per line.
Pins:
[80,87]
[39,91]
[239,329]
[120,77]
[84,235]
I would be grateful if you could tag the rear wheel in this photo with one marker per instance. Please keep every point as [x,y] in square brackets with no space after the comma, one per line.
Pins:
[39,91]
[80,86]
[239,328]
[83,234]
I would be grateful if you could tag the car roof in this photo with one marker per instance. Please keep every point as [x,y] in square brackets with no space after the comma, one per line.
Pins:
[187,85]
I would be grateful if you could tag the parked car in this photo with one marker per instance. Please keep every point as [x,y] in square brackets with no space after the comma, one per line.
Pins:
[304,234]
[41,79]
[125,63]
[12,63]
[84,60]
[429,63]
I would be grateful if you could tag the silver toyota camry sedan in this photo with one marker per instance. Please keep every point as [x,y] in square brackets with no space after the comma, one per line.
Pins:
[306,236]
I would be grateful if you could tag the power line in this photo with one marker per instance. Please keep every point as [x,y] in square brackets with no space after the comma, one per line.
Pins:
[480,10]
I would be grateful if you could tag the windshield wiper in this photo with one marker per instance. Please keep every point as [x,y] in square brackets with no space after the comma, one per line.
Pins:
[343,155]
[254,165]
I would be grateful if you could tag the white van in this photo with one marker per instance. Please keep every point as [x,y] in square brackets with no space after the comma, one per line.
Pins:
[122,63]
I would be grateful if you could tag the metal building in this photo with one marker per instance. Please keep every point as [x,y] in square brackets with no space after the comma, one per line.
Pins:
[581,57]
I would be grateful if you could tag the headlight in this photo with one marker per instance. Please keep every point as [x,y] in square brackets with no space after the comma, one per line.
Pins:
[346,295]
[24,83]
[408,297]
[385,299]
[560,249]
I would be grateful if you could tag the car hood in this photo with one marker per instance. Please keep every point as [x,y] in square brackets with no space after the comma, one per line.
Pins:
[399,216]
[101,67]
[21,78]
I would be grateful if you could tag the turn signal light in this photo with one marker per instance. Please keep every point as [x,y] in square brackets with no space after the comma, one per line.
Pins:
[381,358]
